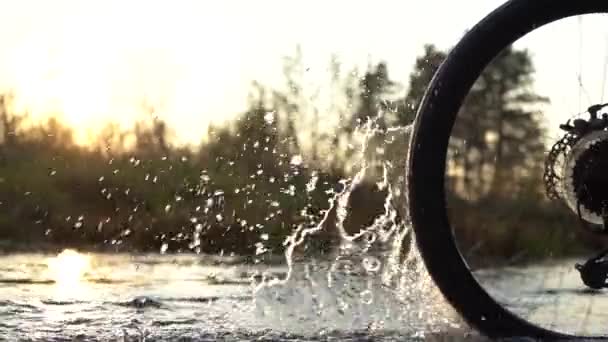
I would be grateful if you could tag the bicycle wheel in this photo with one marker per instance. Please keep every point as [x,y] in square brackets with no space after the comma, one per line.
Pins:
[429,147]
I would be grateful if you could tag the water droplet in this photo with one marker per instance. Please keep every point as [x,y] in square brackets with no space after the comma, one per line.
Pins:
[219,217]
[167,208]
[264,237]
[367,297]
[269,118]
[371,264]
[52,173]
[312,184]
[163,248]
[259,248]
[292,190]
[296,160]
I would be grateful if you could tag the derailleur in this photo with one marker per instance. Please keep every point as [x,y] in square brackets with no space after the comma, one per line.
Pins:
[580,127]
[580,179]
[576,169]
[594,272]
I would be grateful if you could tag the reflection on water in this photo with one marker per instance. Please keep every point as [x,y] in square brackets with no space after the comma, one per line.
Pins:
[195,297]
[68,269]
[551,295]
[370,284]
[163,297]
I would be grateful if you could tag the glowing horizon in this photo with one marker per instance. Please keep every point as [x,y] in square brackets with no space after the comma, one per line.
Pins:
[194,62]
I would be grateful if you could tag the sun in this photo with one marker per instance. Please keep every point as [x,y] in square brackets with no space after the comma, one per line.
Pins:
[69,83]
[105,60]
[69,267]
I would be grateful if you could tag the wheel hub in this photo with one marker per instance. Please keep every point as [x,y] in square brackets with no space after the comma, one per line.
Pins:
[586,177]
[582,180]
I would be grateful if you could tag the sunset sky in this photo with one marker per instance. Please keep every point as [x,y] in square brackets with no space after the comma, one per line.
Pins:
[94,61]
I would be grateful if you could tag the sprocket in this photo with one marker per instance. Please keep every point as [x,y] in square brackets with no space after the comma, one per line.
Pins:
[576,166]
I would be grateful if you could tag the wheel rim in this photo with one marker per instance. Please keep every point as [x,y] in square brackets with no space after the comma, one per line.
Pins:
[427,159]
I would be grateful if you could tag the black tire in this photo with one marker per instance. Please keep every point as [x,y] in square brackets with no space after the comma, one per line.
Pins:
[428,150]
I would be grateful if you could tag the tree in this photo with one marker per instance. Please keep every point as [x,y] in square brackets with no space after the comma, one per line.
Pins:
[497,139]
[424,69]
[375,91]
[500,127]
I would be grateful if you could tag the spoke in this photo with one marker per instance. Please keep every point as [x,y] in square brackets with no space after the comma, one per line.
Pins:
[580,63]
[582,90]
[605,70]
[581,87]
[556,299]
[588,311]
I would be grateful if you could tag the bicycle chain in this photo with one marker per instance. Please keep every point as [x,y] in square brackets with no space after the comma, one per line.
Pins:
[550,176]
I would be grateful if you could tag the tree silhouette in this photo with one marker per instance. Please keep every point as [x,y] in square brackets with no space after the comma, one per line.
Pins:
[498,135]
[375,92]
[424,69]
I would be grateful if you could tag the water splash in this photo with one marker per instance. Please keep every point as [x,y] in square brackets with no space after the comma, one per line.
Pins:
[374,278]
